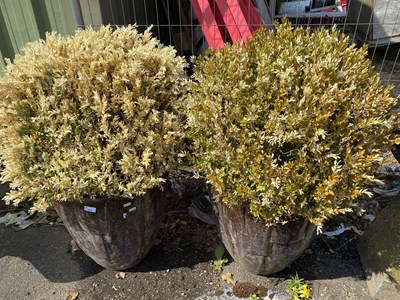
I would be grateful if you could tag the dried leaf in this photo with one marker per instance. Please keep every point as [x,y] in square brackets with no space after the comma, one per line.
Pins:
[42,220]
[16,228]
[72,295]
[120,275]
[228,278]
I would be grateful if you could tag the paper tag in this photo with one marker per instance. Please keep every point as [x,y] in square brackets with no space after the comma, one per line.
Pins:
[132,209]
[127,204]
[90,209]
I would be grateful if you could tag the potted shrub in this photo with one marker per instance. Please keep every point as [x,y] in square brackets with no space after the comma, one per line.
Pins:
[90,124]
[288,130]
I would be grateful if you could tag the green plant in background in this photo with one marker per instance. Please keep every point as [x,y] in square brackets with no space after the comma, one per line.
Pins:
[297,288]
[219,254]
[299,122]
[254,297]
[90,115]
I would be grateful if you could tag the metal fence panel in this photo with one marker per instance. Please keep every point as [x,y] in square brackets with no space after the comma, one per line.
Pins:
[190,25]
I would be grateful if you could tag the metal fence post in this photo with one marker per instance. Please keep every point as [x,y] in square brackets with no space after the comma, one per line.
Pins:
[77,13]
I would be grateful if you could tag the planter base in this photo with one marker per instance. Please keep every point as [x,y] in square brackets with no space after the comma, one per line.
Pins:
[117,233]
[260,249]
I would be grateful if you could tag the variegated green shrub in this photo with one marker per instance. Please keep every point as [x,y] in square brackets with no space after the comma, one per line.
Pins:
[89,115]
[292,123]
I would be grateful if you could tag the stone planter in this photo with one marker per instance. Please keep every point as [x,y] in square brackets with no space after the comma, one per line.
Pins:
[258,248]
[117,233]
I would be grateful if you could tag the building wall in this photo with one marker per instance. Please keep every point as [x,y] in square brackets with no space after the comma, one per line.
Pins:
[23,21]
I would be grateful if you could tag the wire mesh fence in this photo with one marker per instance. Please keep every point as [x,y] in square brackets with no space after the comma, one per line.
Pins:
[192,26]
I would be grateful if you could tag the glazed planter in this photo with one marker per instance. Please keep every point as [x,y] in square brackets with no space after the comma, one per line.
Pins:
[117,233]
[258,248]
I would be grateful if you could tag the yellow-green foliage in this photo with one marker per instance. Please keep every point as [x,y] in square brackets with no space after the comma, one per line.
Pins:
[92,114]
[292,123]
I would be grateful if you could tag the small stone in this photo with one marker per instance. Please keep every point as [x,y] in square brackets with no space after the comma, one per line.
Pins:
[218,292]
[120,275]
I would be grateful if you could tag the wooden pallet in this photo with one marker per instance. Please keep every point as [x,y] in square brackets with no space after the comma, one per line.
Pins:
[226,20]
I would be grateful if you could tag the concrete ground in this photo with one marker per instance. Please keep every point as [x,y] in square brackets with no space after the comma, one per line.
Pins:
[38,263]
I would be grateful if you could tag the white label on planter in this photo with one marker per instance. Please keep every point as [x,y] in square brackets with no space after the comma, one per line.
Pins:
[127,204]
[89,209]
[132,209]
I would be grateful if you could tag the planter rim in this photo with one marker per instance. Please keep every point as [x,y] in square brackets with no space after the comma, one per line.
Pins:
[96,199]
[245,209]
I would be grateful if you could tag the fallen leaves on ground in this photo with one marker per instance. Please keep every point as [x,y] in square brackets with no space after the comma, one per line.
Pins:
[72,295]
[228,278]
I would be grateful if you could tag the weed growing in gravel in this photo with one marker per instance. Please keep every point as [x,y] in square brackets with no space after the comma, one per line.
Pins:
[219,254]
[297,288]
[254,297]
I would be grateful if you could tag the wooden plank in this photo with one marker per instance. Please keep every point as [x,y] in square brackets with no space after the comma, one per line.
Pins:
[229,20]
[207,20]
[241,18]
[254,20]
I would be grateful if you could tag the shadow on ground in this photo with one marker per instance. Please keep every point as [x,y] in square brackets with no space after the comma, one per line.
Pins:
[47,249]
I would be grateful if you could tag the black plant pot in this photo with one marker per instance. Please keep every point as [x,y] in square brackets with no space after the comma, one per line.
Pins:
[258,248]
[117,233]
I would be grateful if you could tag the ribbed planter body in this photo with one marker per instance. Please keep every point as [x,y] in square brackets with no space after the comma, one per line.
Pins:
[262,249]
[117,233]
